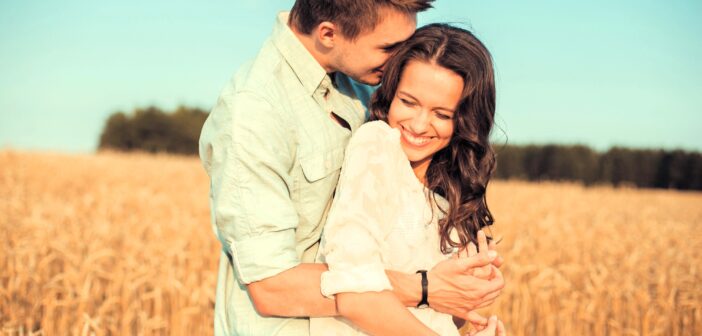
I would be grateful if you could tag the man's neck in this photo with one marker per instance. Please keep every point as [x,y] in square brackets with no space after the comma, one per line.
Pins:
[308,42]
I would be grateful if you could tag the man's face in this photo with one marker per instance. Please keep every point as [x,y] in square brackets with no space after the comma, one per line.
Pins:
[364,58]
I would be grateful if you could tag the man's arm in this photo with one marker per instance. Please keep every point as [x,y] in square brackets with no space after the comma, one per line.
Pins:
[247,150]
[297,293]
[294,293]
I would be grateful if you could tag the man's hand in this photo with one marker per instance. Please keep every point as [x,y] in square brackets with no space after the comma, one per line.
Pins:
[455,289]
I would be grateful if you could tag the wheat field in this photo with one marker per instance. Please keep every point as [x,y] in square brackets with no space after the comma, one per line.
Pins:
[121,244]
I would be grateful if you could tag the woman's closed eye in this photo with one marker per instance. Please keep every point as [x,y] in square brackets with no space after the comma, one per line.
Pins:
[408,102]
[443,115]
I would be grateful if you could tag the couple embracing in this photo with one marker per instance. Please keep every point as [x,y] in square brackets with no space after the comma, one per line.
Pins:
[332,224]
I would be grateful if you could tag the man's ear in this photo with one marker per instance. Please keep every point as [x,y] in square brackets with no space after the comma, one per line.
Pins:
[327,34]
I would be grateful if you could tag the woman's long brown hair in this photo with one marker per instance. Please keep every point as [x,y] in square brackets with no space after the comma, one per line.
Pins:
[461,171]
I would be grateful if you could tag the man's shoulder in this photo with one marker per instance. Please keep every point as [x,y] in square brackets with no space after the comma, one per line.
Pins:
[260,75]
[257,90]
[252,98]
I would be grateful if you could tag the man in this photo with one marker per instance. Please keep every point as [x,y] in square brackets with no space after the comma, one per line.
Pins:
[273,147]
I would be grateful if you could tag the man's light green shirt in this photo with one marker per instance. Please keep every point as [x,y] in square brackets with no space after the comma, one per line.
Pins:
[273,155]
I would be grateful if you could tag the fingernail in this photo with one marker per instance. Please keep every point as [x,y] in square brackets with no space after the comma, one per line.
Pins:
[492,254]
[493,318]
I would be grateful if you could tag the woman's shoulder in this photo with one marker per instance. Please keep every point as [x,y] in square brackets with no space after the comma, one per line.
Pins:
[375,131]
[375,143]
[377,139]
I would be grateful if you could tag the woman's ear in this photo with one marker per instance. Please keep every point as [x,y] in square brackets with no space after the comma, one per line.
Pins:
[327,34]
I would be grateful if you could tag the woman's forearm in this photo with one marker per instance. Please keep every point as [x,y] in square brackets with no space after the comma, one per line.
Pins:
[379,313]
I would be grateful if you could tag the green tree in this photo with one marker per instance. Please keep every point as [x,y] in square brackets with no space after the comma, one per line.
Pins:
[153,130]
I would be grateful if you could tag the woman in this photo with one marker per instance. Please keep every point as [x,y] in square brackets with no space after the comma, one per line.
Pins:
[412,188]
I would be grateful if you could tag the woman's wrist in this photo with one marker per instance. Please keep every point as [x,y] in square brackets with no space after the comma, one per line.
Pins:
[423,302]
[406,287]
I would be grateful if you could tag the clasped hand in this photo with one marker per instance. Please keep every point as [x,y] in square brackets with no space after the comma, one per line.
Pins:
[470,280]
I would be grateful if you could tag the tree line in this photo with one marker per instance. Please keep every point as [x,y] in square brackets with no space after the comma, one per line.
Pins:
[154,130]
[648,168]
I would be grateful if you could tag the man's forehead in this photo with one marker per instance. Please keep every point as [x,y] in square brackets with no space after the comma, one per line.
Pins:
[394,29]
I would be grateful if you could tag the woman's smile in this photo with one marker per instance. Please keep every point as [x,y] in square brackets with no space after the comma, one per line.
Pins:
[414,140]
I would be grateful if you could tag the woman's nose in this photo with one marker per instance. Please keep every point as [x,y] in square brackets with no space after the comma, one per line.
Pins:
[420,122]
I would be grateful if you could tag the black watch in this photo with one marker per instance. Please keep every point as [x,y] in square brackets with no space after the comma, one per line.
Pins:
[424,303]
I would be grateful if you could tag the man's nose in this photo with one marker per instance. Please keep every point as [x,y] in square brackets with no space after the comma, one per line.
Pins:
[386,58]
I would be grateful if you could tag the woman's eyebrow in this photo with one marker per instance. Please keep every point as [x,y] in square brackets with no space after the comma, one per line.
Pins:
[404,93]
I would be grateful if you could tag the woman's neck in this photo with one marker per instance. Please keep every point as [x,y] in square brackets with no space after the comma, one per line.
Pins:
[420,169]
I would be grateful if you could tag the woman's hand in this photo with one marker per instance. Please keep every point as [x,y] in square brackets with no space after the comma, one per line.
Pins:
[454,290]
[487,272]
[494,327]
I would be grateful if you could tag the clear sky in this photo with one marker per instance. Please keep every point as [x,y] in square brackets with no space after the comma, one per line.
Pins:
[600,73]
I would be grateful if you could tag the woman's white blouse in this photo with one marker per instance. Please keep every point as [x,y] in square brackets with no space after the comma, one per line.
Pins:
[381,218]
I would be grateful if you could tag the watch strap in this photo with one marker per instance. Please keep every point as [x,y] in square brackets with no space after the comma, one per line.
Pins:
[425,290]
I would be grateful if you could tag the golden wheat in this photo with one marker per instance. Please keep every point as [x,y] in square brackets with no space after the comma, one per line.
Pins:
[113,244]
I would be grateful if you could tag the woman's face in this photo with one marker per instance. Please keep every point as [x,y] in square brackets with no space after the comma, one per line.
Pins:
[422,109]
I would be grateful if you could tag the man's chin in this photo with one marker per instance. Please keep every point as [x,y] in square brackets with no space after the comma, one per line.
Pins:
[371,80]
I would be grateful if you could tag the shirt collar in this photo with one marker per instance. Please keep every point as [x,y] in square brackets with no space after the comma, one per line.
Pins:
[305,67]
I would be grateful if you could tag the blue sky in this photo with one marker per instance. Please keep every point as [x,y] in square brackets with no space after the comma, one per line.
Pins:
[600,73]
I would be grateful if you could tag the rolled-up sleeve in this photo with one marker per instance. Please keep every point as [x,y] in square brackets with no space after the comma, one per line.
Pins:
[245,149]
[362,213]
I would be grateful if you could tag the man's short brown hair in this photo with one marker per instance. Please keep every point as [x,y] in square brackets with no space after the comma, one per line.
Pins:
[352,16]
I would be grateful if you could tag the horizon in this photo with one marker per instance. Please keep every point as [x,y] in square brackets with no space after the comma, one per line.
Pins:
[598,74]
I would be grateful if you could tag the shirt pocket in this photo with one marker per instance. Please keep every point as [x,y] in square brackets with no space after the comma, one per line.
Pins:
[320,172]
[316,166]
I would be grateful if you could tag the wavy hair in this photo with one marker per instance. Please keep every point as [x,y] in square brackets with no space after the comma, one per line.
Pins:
[461,171]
